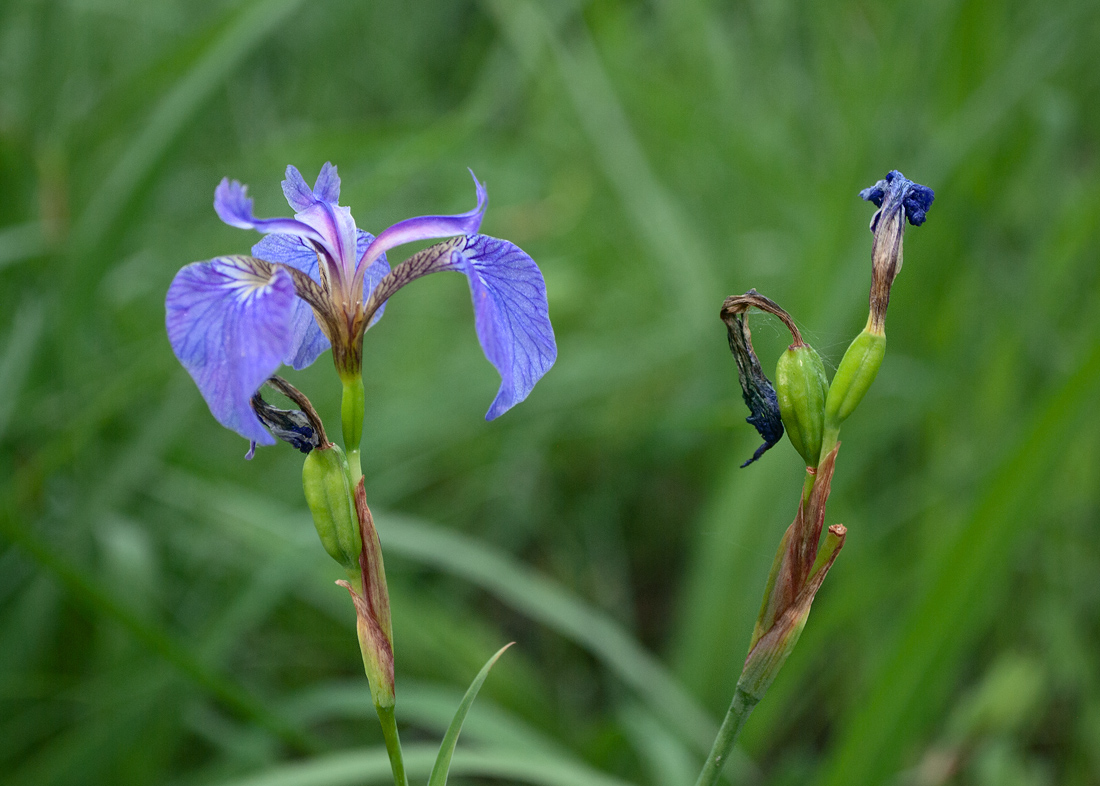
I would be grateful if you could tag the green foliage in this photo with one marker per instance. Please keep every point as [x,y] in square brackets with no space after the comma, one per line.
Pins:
[166,612]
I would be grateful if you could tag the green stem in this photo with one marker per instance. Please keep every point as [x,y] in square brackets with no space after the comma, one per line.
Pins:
[829,439]
[393,745]
[740,709]
[351,416]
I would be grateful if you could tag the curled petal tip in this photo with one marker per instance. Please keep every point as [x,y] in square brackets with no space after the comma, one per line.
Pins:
[232,204]
[482,196]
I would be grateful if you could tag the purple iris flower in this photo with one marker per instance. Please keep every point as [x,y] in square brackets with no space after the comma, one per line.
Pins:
[316,281]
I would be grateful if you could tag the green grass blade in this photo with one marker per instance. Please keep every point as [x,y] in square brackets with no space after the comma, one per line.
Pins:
[950,612]
[225,52]
[447,748]
[18,355]
[355,768]
[533,595]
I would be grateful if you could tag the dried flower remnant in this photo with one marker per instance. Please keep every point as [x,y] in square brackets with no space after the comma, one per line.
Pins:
[756,389]
[896,198]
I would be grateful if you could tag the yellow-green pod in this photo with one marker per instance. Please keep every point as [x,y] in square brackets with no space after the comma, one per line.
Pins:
[853,378]
[801,387]
[328,494]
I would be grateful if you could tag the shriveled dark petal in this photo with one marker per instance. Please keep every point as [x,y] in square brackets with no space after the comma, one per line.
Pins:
[510,310]
[917,202]
[756,388]
[896,192]
[289,425]
[228,322]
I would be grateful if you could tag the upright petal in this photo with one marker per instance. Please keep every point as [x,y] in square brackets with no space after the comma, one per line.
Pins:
[308,341]
[333,225]
[428,227]
[234,207]
[296,190]
[327,187]
[228,322]
[510,314]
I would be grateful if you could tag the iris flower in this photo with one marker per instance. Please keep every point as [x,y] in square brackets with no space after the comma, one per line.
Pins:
[317,281]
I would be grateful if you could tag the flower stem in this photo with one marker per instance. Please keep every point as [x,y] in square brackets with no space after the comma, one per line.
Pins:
[740,709]
[351,415]
[393,745]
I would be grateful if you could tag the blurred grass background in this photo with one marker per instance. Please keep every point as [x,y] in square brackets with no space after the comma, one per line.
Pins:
[166,613]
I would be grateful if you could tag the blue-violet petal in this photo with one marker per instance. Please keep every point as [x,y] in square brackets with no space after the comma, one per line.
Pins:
[429,227]
[229,324]
[234,207]
[510,313]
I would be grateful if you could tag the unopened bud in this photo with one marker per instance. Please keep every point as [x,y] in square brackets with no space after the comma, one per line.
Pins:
[854,376]
[328,494]
[801,387]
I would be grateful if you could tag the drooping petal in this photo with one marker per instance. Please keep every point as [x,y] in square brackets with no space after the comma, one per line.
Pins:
[228,322]
[234,207]
[309,341]
[511,316]
[510,310]
[428,227]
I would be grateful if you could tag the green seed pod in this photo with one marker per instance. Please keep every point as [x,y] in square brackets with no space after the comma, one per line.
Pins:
[801,386]
[857,371]
[328,494]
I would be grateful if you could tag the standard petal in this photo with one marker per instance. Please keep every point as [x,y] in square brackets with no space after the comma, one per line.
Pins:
[234,207]
[428,227]
[309,341]
[296,190]
[228,322]
[327,187]
[510,314]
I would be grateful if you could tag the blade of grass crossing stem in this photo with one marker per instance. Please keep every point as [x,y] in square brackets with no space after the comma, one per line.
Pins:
[447,748]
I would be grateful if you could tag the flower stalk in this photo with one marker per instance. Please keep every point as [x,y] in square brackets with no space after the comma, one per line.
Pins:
[810,410]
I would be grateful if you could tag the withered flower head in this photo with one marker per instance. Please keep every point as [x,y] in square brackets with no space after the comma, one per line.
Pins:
[896,198]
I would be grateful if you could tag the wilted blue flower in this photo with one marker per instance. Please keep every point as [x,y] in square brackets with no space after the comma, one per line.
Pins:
[894,196]
[899,193]
[317,281]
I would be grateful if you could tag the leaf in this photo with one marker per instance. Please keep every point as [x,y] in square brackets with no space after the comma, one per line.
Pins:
[450,739]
